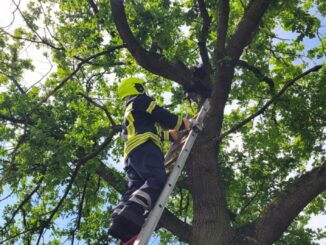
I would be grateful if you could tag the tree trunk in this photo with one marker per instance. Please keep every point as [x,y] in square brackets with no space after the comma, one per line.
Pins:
[211,219]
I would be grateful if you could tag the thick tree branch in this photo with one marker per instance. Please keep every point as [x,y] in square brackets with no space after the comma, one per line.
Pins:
[247,27]
[204,35]
[258,74]
[112,177]
[222,28]
[284,208]
[179,228]
[152,62]
[273,100]
[15,120]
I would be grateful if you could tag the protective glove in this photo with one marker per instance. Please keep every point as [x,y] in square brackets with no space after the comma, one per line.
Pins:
[177,135]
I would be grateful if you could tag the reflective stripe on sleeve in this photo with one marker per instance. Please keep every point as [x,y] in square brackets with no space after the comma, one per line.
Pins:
[179,123]
[166,135]
[151,107]
[131,127]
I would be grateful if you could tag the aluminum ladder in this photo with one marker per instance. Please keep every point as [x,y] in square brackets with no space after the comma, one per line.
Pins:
[156,213]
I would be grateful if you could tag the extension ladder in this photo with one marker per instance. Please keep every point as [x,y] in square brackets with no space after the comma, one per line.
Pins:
[156,213]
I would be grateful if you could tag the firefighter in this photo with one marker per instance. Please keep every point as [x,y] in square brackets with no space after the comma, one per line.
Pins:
[143,157]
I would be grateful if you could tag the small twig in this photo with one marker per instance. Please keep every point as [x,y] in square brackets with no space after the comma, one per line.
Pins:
[47,27]
[81,204]
[34,31]
[43,75]
[249,202]
[6,197]
[15,120]
[107,113]
[20,141]
[322,43]
[20,233]
[21,205]
[242,4]
[43,41]
[13,17]
[47,222]
[181,202]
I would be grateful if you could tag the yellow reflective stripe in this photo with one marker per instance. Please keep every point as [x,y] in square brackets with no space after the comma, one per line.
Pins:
[131,127]
[130,119]
[151,107]
[166,135]
[139,139]
[158,129]
[128,109]
[178,125]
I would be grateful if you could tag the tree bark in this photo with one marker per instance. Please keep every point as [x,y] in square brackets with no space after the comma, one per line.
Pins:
[247,28]
[211,222]
[211,219]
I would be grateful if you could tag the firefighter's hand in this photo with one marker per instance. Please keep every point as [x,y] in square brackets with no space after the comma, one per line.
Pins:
[175,135]
[186,123]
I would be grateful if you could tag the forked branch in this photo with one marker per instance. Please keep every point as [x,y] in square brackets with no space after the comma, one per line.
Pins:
[176,71]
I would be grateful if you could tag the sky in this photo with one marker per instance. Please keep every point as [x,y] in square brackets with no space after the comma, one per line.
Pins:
[44,67]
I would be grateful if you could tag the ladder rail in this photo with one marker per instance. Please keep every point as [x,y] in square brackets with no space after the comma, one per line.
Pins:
[156,212]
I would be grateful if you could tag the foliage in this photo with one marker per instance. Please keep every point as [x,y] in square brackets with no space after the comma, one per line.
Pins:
[58,130]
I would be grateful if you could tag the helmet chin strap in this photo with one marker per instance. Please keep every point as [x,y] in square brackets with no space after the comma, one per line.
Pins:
[129,98]
[146,91]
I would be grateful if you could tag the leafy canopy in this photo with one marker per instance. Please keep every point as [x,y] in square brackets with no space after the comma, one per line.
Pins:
[58,131]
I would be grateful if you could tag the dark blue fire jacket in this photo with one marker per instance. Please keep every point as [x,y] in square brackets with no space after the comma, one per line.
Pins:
[144,120]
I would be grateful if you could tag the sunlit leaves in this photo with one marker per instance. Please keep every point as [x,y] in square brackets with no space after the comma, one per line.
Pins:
[45,142]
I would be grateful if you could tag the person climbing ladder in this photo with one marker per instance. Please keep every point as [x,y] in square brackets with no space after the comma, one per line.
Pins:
[143,157]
